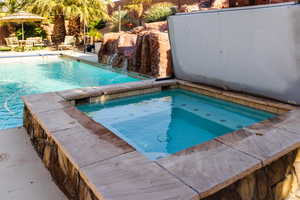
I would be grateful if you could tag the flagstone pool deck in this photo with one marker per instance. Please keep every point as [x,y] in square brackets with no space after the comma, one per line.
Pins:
[88,161]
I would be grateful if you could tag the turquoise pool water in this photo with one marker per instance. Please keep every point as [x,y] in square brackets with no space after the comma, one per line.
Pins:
[23,76]
[167,122]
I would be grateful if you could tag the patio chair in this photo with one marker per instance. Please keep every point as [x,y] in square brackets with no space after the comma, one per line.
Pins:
[36,41]
[28,44]
[68,44]
[12,42]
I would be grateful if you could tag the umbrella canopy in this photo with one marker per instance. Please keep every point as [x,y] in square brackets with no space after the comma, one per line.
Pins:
[21,17]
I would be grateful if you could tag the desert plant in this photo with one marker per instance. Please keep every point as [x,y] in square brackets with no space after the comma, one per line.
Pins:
[127,21]
[59,10]
[136,9]
[95,35]
[158,12]
[98,24]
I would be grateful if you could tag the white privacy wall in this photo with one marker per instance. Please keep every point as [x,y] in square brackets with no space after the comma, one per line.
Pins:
[251,49]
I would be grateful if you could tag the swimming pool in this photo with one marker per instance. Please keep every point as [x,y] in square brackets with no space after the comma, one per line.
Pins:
[33,75]
[163,123]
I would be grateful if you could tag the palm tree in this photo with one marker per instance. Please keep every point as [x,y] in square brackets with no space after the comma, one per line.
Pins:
[53,9]
[75,26]
[60,10]
[136,7]
[81,12]
[11,6]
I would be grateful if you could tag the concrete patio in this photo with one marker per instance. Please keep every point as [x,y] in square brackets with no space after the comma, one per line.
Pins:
[23,175]
[91,57]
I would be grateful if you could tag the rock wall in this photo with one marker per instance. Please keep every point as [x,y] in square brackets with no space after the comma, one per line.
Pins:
[144,50]
[63,171]
[276,181]
[114,6]
[218,4]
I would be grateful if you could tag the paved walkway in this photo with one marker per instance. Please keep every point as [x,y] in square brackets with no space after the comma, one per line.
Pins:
[85,56]
[22,174]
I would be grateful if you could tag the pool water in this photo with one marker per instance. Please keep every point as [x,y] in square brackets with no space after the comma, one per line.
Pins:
[23,76]
[163,123]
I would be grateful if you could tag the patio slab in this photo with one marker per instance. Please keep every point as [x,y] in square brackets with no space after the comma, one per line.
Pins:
[23,175]
[267,146]
[210,166]
[131,176]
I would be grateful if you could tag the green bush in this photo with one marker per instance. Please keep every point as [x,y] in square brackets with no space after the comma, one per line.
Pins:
[31,30]
[99,24]
[95,34]
[22,49]
[158,12]
[5,49]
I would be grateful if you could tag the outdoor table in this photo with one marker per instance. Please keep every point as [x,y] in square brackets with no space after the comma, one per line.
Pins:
[22,43]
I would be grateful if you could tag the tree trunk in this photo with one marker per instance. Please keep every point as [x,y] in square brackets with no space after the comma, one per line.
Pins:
[179,4]
[4,33]
[59,29]
[75,28]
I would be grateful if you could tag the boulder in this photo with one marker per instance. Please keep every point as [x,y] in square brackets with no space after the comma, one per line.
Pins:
[145,50]
[153,55]
[158,26]
[109,47]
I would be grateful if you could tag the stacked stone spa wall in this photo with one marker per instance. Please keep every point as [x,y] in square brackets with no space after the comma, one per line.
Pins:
[65,173]
[277,181]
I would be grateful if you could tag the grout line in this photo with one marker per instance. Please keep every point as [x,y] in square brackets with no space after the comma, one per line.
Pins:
[248,154]
[287,130]
[60,130]
[179,179]
[102,160]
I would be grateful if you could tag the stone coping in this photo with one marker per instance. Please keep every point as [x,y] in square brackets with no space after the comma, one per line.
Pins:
[113,170]
[104,66]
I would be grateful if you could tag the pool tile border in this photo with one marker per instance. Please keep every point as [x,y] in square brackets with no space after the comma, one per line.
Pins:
[76,149]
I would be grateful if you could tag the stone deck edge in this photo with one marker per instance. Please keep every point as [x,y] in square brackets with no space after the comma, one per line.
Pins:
[97,64]
[96,94]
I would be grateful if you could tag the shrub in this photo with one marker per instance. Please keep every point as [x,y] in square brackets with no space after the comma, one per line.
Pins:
[5,49]
[95,34]
[31,30]
[99,24]
[158,12]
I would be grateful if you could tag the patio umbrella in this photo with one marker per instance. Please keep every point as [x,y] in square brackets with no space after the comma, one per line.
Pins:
[21,17]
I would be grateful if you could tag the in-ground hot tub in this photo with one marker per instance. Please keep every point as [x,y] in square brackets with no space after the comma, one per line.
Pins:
[92,160]
[169,121]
